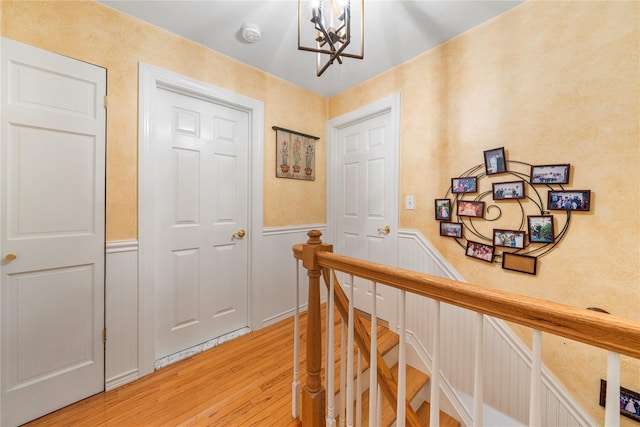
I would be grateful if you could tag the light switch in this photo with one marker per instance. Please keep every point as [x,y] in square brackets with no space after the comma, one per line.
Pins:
[410,202]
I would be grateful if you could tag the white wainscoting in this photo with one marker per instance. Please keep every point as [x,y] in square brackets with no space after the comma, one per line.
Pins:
[278,279]
[507,361]
[121,288]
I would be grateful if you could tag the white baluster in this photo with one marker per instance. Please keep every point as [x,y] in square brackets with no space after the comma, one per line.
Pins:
[350,357]
[359,391]
[478,375]
[295,385]
[434,411]
[379,414]
[402,362]
[331,362]
[612,405]
[343,372]
[535,409]
[373,360]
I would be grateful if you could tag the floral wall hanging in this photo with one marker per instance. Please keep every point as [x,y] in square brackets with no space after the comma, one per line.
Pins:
[295,154]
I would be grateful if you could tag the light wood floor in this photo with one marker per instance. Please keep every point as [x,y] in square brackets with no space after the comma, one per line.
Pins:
[244,382]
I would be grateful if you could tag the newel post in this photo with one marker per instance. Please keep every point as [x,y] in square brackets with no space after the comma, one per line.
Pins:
[313,394]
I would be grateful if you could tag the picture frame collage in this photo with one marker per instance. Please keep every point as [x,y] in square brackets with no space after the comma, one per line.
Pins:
[540,230]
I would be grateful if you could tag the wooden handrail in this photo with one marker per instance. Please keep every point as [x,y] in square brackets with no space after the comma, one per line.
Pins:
[605,331]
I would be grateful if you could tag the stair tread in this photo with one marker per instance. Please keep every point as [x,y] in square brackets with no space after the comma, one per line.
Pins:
[446,420]
[387,340]
[415,381]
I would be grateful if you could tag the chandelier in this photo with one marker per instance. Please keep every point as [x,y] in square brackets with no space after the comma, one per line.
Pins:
[331,32]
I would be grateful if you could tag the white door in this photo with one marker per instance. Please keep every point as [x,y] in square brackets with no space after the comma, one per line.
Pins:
[366,202]
[201,192]
[52,181]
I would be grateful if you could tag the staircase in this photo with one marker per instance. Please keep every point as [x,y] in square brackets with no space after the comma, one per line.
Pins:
[416,380]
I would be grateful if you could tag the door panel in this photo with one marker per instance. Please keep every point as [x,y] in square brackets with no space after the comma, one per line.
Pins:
[201,200]
[52,219]
[366,204]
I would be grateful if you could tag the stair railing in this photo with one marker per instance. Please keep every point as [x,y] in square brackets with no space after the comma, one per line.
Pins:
[615,334]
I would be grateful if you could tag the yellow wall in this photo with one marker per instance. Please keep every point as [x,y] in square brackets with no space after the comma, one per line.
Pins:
[96,34]
[552,82]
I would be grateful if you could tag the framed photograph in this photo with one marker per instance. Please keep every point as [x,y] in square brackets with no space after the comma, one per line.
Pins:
[451,229]
[443,209]
[480,251]
[472,209]
[629,401]
[508,238]
[468,184]
[541,228]
[574,200]
[295,154]
[520,263]
[550,174]
[494,161]
[508,190]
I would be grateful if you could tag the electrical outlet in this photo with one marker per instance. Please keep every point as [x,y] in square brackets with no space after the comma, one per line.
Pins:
[409,202]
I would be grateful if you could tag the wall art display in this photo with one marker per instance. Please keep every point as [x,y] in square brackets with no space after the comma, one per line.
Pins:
[508,190]
[521,263]
[499,213]
[443,209]
[451,229]
[550,174]
[540,228]
[464,185]
[494,161]
[629,401]
[509,238]
[295,154]
[578,200]
[480,251]
[473,209]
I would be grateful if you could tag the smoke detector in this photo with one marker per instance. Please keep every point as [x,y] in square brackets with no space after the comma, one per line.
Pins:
[250,32]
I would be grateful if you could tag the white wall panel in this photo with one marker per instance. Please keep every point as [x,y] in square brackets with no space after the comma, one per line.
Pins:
[507,360]
[278,278]
[121,288]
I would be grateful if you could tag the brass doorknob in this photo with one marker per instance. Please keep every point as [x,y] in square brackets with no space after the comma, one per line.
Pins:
[385,230]
[10,257]
[240,234]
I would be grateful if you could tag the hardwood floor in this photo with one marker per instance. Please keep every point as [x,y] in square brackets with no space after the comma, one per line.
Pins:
[244,382]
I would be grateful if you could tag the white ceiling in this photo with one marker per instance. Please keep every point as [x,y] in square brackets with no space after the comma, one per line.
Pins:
[395,31]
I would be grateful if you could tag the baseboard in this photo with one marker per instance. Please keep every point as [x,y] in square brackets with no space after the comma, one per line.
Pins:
[121,380]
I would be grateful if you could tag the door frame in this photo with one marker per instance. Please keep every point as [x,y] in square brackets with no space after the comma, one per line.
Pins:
[151,79]
[390,104]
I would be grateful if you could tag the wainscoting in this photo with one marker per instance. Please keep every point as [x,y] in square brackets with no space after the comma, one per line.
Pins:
[121,313]
[507,360]
[279,272]
[274,287]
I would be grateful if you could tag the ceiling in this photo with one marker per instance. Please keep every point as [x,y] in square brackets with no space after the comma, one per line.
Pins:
[395,31]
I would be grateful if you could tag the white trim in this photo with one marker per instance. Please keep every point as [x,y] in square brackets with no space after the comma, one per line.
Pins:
[431,252]
[150,78]
[117,246]
[121,380]
[276,231]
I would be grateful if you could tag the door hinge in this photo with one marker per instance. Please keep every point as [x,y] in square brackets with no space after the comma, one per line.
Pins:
[106,101]
[104,335]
